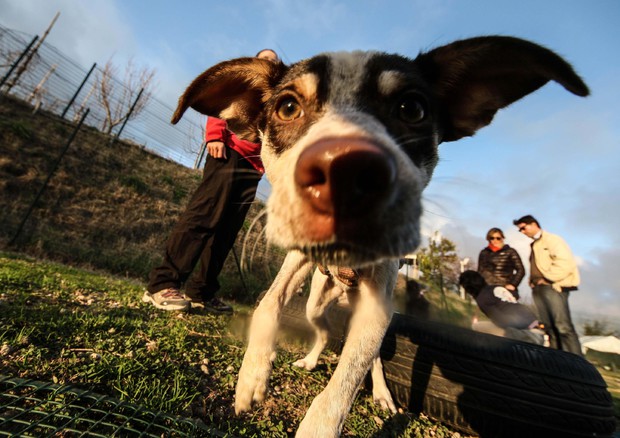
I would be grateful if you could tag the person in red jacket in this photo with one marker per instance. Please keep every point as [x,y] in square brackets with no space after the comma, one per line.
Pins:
[205,233]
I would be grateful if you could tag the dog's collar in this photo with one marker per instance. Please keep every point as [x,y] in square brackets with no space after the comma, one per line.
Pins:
[348,276]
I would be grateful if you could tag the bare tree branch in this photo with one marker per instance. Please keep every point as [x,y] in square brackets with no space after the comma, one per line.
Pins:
[116,98]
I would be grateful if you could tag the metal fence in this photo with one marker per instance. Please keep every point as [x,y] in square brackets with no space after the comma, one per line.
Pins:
[51,81]
[41,409]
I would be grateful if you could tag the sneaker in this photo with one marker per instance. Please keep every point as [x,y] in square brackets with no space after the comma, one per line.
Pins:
[214,305]
[167,299]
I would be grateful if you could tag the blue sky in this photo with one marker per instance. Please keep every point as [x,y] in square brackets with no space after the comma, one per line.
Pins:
[552,154]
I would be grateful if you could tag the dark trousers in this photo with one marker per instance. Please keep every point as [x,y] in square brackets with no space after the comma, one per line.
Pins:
[204,234]
[553,311]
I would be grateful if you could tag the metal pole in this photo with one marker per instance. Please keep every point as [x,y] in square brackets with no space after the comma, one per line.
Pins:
[201,154]
[64,113]
[16,63]
[240,271]
[118,134]
[49,177]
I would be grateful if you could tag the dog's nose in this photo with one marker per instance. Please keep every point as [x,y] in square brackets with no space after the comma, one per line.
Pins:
[345,178]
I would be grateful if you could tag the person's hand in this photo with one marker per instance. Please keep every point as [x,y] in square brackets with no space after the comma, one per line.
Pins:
[510,287]
[217,149]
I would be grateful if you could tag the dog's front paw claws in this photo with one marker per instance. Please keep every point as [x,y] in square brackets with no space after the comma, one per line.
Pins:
[242,404]
[245,395]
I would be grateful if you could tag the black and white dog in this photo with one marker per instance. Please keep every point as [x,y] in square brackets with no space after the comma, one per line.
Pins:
[349,143]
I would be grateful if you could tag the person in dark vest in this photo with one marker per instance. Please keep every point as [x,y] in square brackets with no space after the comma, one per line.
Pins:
[500,264]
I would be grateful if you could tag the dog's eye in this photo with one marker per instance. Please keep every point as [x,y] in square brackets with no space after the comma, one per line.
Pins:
[289,109]
[411,108]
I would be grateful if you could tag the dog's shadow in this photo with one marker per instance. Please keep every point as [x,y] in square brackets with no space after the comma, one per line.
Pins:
[396,425]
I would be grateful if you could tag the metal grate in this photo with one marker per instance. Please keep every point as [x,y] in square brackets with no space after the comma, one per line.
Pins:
[30,408]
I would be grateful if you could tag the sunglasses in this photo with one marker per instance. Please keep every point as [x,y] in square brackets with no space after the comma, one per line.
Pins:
[496,238]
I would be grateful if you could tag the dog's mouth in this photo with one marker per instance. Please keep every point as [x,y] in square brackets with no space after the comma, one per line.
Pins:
[341,254]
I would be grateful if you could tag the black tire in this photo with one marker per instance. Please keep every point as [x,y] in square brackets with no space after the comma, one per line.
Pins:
[482,384]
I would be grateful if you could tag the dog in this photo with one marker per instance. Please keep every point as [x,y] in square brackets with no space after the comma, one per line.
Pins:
[349,141]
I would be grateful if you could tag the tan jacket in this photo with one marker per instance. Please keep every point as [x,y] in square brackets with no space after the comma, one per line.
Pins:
[555,261]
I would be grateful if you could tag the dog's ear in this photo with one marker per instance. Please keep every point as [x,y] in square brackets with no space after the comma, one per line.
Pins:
[474,78]
[234,91]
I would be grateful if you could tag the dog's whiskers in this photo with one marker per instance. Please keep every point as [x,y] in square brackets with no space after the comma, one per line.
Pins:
[338,254]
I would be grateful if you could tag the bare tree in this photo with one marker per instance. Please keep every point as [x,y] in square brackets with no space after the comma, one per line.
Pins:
[117,98]
[31,54]
[39,91]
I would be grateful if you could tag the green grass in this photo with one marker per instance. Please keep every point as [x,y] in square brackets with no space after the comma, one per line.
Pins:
[23,130]
[90,330]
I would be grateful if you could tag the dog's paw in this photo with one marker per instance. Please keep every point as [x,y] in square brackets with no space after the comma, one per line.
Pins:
[383,398]
[249,390]
[305,363]
[243,399]
[252,382]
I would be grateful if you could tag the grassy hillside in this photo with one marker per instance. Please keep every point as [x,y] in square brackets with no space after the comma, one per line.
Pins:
[108,206]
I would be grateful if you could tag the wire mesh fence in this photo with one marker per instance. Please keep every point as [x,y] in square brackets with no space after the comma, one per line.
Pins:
[41,75]
[39,409]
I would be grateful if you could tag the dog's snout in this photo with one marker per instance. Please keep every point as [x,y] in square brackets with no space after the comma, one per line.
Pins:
[345,178]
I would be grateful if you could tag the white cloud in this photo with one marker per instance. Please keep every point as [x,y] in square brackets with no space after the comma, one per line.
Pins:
[87,32]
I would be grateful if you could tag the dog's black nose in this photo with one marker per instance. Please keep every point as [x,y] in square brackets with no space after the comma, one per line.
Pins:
[345,179]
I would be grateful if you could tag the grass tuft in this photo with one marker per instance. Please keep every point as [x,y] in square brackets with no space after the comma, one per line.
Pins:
[21,129]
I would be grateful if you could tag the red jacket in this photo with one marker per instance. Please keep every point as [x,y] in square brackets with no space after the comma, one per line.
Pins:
[217,130]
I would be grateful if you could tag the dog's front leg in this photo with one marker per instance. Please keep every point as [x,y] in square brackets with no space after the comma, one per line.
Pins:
[380,392]
[323,292]
[371,317]
[256,366]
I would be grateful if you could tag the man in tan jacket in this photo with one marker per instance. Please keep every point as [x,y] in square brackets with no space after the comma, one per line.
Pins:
[553,275]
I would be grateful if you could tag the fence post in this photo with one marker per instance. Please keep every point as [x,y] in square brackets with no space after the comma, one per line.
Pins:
[201,154]
[16,63]
[118,134]
[49,177]
[64,113]
[247,291]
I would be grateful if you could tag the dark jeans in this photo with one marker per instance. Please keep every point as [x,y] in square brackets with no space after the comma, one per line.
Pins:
[525,335]
[553,311]
[204,234]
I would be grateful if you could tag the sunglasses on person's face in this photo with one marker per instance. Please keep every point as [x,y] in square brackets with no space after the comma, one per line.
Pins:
[496,238]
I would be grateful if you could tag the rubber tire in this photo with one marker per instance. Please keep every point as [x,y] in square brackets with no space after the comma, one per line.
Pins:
[481,384]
